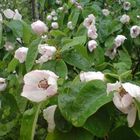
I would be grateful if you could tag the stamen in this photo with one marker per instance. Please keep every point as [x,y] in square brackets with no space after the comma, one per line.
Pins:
[43,84]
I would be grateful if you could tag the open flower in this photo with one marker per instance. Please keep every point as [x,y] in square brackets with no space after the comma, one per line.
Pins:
[92,32]
[126,5]
[39,27]
[135,31]
[123,99]
[90,20]
[47,53]
[91,75]
[48,115]
[2,84]
[124,19]
[119,40]
[21,53]
[111,52]
[12,15]
[39,85]
[92,45]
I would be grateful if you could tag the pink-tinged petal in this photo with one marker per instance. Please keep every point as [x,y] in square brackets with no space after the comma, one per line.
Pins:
[131,117]
[126,100]
[117,100]
[48,115]
[33,93]
[132,89]
[113,87]
[51,91]
[33,77]
[9,13]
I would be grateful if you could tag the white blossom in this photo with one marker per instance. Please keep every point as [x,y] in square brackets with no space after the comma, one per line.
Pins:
[119,40]
[126,5]
[92,45]
[39,27]
[91,75]
[135,31]
[125,19]
[123,99]
[55,25]
[20,54]
[39,85]
[105,12]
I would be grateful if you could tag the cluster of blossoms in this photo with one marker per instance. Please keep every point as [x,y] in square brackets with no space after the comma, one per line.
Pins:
[53,17]
[89,23]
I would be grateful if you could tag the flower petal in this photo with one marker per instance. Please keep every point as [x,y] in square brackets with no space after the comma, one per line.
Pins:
[132,89]
[34,94]
[113,87]
[131,117]
[48,115]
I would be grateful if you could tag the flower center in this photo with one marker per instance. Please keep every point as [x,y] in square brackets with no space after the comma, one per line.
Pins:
[43,84]
[122,91]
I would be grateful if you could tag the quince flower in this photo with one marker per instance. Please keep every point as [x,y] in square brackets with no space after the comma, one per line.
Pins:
[47,53]
[91,75]
[39,85]
[12,15]
[135,31]
[123,99]
[39,27]
[21,53]
[92,45]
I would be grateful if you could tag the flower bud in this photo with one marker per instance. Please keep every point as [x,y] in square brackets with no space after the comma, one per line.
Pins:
[49,17]
[9,13]
[39,27]
[92,32]
[69,25]
[20,54]
[55,25]
[105,12]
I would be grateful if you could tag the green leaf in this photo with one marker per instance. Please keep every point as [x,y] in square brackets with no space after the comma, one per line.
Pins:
[74,16]
[56,33]
[99,124]
[32,54]
[57,66]
[28,123]
[80,40]
[77,107]
[76,59]
[0,34]
[75,134]
[6,128]
[12,65]
[27,32]
[16,27]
